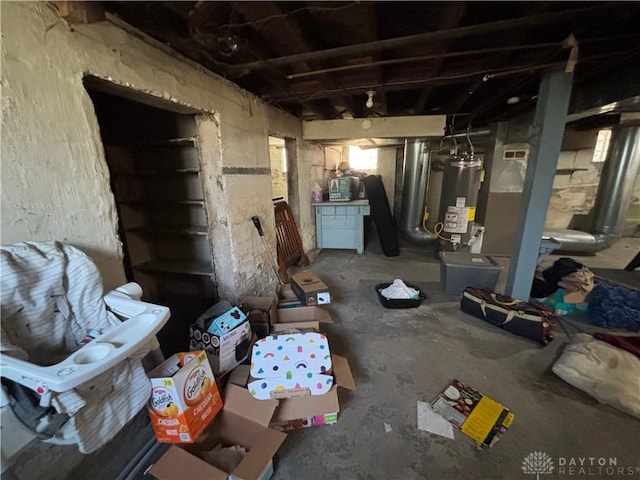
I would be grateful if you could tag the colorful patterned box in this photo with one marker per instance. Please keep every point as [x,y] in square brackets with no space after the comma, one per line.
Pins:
[290,365]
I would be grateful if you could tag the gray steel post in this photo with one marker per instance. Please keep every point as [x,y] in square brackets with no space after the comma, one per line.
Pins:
[545,139]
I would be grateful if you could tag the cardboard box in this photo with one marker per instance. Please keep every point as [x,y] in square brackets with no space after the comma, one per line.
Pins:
[287,298]
[226,339]
[475,414]
[184,397]
[309,289]
[315,410]
[307,411]
[261,312]
[343,188]
[300,319]
[243,421]
[291,364]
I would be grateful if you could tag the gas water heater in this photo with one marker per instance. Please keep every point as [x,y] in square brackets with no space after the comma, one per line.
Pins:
[461,181]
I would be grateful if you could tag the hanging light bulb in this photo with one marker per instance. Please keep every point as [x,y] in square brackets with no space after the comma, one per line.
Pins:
[369,103]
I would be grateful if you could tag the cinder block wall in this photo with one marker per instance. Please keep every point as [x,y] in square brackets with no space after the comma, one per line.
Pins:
[55,180]
[576,180]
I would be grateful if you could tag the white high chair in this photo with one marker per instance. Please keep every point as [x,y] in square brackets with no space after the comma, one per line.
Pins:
[52,306]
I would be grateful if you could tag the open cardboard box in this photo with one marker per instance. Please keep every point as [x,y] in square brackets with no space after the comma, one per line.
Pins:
[286,297]
[301,319]
[263,311]
[307,411]
[314,410]
[243,421]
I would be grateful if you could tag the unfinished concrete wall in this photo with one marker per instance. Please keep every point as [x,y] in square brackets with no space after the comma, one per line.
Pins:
[55,181]
[309,175]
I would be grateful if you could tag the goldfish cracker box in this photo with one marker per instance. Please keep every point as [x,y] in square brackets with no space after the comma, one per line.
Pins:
[184,397]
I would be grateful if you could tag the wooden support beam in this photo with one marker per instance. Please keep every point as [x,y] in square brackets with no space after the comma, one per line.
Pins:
[285,35]
[447,34]
[80,12]
[452,16]
[496,101]
[514,38]
[447,78]
[380,127]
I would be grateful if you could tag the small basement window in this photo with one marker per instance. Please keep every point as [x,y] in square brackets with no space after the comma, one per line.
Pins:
[363,159]
[602,145]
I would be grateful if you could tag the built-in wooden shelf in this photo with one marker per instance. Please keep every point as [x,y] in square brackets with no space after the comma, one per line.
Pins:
[185,267]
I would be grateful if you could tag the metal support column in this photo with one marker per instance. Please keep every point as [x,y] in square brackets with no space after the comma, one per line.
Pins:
[545,139]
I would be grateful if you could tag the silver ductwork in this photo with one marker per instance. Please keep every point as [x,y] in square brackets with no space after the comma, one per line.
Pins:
[575,241]
[415,174]
[618,177]
[613,198]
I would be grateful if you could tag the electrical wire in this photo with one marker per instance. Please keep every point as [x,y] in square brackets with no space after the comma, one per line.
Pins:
[286,14]
[469,140]
[452,132]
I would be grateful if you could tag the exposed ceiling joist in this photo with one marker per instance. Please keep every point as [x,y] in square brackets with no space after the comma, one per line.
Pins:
[447,78]
[448,34]
[514,38]
[318,60]
[451,17]
[529,82]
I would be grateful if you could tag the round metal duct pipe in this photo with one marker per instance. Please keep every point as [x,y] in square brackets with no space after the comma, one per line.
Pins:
[617,179]
[414,185]
[613,198]
[576,241]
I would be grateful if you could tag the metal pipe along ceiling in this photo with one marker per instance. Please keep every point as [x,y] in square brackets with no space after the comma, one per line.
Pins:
[414,186]
[615,190]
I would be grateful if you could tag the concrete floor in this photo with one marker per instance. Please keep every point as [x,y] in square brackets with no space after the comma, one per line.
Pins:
[401,356]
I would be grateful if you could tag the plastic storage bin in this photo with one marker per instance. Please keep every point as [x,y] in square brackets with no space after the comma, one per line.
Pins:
[459,270]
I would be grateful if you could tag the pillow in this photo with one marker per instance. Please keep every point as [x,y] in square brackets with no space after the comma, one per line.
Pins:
[607,373]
